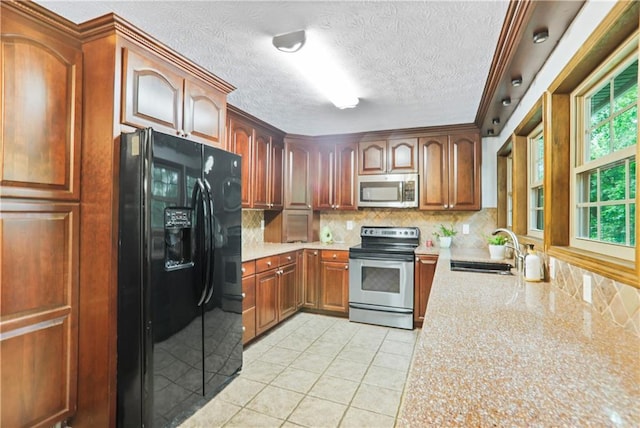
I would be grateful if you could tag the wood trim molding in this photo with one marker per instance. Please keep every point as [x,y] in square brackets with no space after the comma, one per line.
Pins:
[44,17]
[609,267]
[235,113]
[518,15]
[618,25]
[531,120]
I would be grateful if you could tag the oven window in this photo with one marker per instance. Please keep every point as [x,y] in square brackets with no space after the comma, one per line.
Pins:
[381,279]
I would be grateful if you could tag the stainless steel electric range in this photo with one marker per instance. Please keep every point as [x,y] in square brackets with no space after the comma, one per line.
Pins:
[381,276]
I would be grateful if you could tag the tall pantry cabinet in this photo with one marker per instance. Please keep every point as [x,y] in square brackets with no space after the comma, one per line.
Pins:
[40,144]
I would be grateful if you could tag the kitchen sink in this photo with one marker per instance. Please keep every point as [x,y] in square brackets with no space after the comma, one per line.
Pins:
[482,267]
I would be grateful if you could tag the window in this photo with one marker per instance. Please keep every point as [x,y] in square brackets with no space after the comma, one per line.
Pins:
[604,171]
[535,144]
[510,191]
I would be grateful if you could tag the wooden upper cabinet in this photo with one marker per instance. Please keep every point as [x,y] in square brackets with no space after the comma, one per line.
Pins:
[276,171]
[298,173]
[388,156]
[434,173]
[325,164]
[450,172]
[160,96]
[346,155]
[464,172]
[268,156]
[373,157]
[153,93]
[41,110]
[204,113]
[403,155]
[335,167]
[260,182]
[241,143]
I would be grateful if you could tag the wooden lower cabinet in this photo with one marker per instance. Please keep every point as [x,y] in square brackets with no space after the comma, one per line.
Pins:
[276,281]
[425,268]
[248,301]
[288,276]
[334,281]
[311,278]
[39,274]
[266,300]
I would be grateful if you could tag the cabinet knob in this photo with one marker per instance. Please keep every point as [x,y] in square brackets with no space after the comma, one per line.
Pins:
[335,256]
[346,267]
[337,207]
[315,253]
[268,263]
[446,206]
[244,329]
[243,270]
[244,295]
[289,258]
[308,205]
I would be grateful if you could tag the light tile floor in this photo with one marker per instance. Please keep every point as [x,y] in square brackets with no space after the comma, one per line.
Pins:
[316,371]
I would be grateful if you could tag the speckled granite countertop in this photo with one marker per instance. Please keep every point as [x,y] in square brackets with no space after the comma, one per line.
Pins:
[496,351]
[269,249]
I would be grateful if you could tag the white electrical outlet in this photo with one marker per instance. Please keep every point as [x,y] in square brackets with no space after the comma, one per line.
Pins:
[262,224]
[349,224]
[552,268]
[465,229]
[586,288]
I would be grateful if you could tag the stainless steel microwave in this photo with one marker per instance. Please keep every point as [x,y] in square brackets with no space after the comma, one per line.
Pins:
[388,190]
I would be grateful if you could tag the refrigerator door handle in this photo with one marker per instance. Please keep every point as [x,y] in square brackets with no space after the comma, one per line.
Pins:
[199,188]
[212,242]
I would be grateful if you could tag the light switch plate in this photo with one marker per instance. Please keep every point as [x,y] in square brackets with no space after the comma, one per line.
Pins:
[349,224]
[552,268]
[465,229]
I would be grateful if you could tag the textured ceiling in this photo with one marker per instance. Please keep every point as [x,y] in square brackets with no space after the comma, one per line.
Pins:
[414,63]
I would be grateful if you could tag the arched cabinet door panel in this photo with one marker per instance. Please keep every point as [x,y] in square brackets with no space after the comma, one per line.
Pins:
[204,114]
[152,94]
[41,116]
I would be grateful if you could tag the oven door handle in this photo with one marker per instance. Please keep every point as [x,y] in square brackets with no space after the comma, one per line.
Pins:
[385,257]
[380,308]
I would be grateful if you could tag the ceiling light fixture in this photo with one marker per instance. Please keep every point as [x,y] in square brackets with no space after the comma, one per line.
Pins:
[506,101]
[496,120]
[516,81]
[489,131]
[290,42]
[320,66]
[540,36]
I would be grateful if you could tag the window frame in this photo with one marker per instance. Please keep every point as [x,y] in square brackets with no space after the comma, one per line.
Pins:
[533,183]
[604,74]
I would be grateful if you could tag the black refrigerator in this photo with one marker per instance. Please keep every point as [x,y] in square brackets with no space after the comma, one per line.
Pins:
[179,277]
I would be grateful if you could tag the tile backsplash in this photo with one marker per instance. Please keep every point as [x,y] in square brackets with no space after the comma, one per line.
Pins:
[481,223]
[615,301]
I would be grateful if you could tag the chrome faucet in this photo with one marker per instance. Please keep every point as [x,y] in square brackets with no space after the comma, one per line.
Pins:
[518,257]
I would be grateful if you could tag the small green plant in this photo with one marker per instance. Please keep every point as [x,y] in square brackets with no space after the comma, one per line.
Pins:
[497,240]
[445,231]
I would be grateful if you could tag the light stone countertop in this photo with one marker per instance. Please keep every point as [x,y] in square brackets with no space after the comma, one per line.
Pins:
[269,249]
[497,351]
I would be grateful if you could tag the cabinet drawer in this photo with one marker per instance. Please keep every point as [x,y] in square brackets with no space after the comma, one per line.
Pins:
[287,258]
[248,268]
[335,256]
[248,325]
[249,292]
[266,263]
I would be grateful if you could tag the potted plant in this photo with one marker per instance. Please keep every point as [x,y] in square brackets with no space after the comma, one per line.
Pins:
[497,246]
[444,235]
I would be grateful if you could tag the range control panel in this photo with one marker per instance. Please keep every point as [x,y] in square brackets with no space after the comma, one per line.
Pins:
[390,232]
